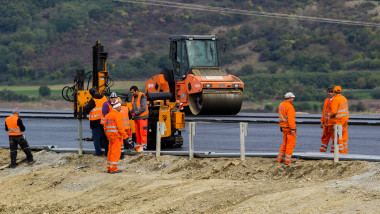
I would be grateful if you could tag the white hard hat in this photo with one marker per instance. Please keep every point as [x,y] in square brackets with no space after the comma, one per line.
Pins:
[113,95]
[115,104]
[289,95]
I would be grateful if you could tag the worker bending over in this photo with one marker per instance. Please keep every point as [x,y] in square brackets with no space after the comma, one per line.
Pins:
[14,127]
[287,120]
[127,127]
[140,114]
[115,133]
[94,109]
[340,114]
[327,123]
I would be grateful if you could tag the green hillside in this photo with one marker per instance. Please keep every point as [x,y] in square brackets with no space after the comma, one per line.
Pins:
[42,42]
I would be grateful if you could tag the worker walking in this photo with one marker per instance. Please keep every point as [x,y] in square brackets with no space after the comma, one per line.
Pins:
[115,133]
[107,107]
[327,123]
[140,114]
[94,109]
[15,127]
[287,121]
[340,114]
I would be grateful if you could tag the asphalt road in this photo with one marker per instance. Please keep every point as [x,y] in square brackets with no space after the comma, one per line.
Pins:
[211,137]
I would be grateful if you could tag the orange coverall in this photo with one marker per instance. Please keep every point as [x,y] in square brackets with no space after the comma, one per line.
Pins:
[328,125]
[115,133]
[340,113]
[287,120]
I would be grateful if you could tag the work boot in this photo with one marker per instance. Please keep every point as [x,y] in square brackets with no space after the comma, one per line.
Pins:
[118,171]
[122,156]
[13,165]
[31,162]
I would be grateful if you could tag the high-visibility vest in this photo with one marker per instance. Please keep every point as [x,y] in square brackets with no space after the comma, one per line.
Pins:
[287,115]
[326,114]
[138,105]
[113,126]
[96,112]
[13,128]
[339,109]
[125,117]
[103,117]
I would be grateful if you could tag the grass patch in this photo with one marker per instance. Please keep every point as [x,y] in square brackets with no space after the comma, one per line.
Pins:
[56,90]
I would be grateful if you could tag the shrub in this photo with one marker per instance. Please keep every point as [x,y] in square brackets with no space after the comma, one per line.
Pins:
[44,91]
[375,93]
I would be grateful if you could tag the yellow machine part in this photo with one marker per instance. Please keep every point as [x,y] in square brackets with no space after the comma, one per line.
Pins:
[165,117]
[83,97]
[178,120]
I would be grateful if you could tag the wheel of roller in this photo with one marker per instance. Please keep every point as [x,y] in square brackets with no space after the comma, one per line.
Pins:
[215,103]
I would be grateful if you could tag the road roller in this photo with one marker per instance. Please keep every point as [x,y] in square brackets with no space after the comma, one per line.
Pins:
[196,79]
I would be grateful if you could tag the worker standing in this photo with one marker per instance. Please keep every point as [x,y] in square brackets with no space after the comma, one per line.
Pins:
[327,123]
[287,121]
[140,114]
[340,114]
[15,127]
[107,107]
[115,133]
[94,109]
[127,126]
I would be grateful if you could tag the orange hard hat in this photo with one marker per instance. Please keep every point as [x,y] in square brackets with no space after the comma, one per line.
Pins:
[337,89]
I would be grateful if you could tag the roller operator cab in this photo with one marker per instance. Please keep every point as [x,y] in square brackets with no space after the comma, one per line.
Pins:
[196,79]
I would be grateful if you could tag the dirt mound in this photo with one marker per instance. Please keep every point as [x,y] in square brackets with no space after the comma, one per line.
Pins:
[67,183]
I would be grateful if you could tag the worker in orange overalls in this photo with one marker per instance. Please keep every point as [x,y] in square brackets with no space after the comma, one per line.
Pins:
[15,127]
[287,120]
[340,114]
[327,123]
[127,126]
[140,114]
[115,133]
[107,107]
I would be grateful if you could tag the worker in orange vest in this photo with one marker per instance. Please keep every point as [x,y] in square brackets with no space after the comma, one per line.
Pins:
[94,109]
[340,114]
[107,107]
[327,123]
[15,127]
[140,114]
[287,121]
[115,132]
[128,144]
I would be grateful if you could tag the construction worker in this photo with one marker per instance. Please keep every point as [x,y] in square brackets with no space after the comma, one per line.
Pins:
[340,114]
[15,127]
[127,126]
[327,123]
[115,133]
[287,121]
[107,107]
[140,114]
[94,109]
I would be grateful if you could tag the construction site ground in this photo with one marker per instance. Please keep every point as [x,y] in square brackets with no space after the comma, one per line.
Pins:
[68,183]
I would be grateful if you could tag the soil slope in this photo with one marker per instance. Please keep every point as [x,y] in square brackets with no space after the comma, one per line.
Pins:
[172,184]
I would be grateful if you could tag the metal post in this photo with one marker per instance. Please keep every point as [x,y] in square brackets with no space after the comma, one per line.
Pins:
[160,131]
[191,139]
[80,149]
[337,136]
[243,133]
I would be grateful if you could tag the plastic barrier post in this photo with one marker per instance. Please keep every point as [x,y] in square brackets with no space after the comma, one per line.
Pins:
[158,139]
[337,136]
[191,139]
[243,133]
[80,140]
